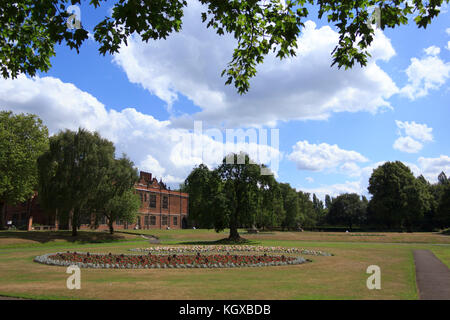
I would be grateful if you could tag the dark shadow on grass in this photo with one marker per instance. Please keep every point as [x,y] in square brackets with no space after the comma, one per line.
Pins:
[49,236]
[259,233]
[219,242]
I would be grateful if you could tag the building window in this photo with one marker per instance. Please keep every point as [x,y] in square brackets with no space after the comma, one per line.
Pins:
[146,220]
[142,197]
[152,220]
[175,221]
[119,222]
[164,220]
[152,201]
[145,197]
[165,202]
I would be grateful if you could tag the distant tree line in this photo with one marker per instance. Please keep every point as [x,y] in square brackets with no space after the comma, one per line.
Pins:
[399,201]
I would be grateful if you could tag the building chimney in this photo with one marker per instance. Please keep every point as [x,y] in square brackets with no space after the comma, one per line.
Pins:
[146,176]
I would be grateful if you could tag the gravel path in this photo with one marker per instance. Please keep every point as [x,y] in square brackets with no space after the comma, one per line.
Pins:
[432,276]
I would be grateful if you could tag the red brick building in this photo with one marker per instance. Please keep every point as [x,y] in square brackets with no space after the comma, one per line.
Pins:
[161,208]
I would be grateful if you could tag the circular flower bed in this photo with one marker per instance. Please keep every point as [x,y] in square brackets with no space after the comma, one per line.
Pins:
[231,248]
[121,261]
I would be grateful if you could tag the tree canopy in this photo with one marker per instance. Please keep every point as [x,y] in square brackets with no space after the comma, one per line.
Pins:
[115,197]
[23,138]
[347,209]
[242,181]
[122,207]
[72,171]
[29,30]
[398,198]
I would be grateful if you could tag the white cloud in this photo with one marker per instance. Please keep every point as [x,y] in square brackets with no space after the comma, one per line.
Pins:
[448,46]
[319,157]
[407,144]
[432,167]
[426,74]
[447,31]
[152,165]
[152,144]
[351,169]
[304,87]
[409,133]
[415,130]
[309,179]
[334,190]
[432,51]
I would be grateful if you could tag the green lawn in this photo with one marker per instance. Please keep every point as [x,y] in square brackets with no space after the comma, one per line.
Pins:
[342,276]
[443,253]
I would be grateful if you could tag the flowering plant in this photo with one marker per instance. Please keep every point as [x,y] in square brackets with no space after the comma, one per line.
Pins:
[230,248]
[96,260]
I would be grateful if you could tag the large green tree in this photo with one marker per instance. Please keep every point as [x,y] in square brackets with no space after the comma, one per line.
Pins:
[29,30]
[308,216]
[115,198]
[291,207]
[398,198]
[23,138]
[270,208]
[200,185]
[347,209]
[242,182]
[123,207]
[72,171]
[442,196]
[319,209]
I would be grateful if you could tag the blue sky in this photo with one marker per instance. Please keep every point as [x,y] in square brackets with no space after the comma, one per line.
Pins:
[334,126]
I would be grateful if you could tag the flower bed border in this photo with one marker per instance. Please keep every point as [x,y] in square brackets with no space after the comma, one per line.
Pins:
[45,259]
[230,248]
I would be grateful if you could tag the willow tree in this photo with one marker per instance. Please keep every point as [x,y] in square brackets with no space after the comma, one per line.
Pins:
[23,138]
[72,171]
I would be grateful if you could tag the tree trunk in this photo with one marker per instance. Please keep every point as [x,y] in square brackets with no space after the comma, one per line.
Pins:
[234,234]
[111,228]
[75,214]
[2,215]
